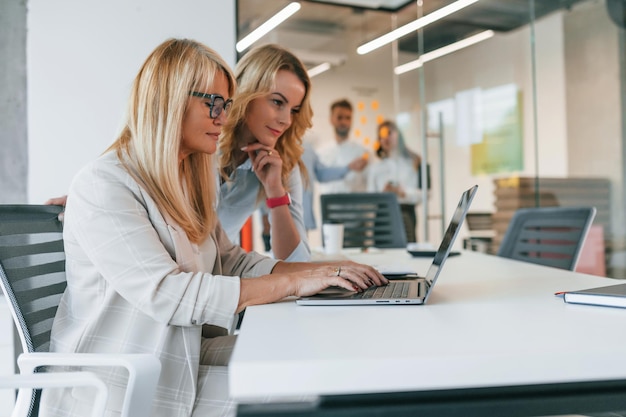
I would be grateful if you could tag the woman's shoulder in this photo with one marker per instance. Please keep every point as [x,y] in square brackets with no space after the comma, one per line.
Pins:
[104,169]
[105,162]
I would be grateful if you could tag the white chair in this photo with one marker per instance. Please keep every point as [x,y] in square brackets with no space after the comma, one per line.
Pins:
[32,278]
[59,380]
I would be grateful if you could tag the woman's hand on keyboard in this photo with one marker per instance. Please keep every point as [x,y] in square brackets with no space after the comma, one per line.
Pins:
[363,276]
[344,274]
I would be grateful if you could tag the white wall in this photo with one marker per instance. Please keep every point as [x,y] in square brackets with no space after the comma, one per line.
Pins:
[594,105]
[82,56]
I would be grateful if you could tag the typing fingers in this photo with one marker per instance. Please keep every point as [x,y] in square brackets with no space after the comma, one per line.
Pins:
[360,280]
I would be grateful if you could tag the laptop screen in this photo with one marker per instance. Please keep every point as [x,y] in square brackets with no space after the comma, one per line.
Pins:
[450,235]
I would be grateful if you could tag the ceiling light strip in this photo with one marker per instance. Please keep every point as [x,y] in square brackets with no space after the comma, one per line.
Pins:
[448,49]
[270,24]
[413,26]
[318,69]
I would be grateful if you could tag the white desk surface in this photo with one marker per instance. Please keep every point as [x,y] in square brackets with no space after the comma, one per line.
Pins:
[489,322]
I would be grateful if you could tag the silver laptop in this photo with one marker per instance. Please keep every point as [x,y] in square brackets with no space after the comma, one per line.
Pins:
[409,291]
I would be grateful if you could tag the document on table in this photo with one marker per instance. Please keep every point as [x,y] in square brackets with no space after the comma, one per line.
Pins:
[609,296]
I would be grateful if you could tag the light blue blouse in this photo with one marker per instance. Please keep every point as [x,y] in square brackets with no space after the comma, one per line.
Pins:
[239,198]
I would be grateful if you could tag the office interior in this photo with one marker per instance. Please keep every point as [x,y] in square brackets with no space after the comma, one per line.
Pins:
[547,97]
[540,101]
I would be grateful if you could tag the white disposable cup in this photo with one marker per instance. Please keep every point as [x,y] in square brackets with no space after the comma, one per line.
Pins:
[333,238]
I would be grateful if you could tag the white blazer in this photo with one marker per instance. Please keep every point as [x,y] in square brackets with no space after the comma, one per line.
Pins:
[137,284]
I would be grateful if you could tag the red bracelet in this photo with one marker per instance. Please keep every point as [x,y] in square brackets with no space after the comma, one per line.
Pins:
[278,201]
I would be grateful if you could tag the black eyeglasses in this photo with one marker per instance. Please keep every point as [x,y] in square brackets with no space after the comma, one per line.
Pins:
[217,105]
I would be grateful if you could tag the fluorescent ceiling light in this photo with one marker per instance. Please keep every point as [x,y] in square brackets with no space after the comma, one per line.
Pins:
[413,26]
[448,49]
[270,24]
[316,57]
[318,69]
[389,5]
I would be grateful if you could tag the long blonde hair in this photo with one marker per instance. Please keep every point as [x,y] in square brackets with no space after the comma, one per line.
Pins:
[256,75]
[149,143]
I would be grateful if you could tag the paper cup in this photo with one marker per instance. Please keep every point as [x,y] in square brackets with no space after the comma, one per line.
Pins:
[333,238]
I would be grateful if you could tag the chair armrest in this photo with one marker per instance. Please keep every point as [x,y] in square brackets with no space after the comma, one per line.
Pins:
[143,373]
[61,379]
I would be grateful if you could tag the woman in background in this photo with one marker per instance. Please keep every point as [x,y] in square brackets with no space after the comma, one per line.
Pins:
[149,268]
[396,172]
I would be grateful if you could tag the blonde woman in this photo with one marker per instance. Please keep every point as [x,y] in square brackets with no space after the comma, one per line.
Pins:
[260,153]
[149,268]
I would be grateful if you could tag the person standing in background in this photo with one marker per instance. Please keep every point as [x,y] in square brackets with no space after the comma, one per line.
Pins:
[396,172]
[344,151]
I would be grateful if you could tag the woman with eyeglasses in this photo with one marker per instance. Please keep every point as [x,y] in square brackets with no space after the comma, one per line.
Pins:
[261,149]
[149,268]
[260,153]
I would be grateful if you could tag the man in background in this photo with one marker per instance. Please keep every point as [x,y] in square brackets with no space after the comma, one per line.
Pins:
[344,151]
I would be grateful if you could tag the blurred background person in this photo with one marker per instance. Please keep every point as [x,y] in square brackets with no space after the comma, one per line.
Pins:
[396,172]
[344,151]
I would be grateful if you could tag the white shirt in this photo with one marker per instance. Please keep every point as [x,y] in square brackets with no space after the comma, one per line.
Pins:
[395,169]
[340,155]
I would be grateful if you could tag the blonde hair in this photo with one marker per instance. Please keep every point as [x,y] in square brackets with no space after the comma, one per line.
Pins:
[149,144]
[256,75]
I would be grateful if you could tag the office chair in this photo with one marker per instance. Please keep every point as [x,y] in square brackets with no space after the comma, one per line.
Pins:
[60,380]
[369,219]
[551,236]
[32,278]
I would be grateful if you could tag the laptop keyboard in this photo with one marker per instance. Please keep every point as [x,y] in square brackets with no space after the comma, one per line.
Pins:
[391,290]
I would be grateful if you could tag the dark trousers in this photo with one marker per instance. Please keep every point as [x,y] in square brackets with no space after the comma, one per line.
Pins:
[409,218]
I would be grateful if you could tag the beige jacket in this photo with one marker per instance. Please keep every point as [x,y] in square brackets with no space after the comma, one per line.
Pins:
[137,284]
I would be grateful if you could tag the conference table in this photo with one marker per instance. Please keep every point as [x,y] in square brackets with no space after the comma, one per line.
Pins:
[493,339]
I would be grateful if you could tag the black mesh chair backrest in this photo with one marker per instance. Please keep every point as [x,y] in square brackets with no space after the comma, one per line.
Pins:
[551,236]
[369,219]
[32,272]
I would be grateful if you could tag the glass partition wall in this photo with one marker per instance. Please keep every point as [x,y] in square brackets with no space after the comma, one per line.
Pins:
[532,112]
[534,116]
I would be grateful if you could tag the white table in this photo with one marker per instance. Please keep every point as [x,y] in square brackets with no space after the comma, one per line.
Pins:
[490,322]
